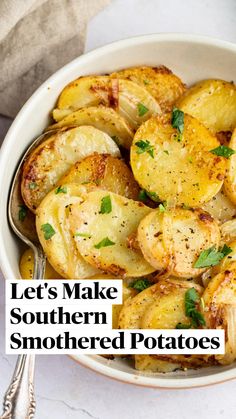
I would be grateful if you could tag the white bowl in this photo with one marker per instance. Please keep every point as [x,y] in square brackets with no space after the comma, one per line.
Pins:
[192,58]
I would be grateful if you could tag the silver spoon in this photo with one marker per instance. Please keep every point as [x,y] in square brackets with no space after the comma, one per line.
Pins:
[19,400]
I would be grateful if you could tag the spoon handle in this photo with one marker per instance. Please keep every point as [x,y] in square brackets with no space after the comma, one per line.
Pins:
[19,400]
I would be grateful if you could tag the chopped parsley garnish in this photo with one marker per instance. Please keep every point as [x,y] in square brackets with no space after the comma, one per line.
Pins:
[191,300]
[22,212]
[85,235]
[146,82]
[223,151]
[140,284]
[142,196]
[106,205]
[167,152]
[145,146]
[48,231]
[142,110]
[177,121]
[211,257]
[32,185]
[104,243]
[153,196]
[162,206]
[61,190]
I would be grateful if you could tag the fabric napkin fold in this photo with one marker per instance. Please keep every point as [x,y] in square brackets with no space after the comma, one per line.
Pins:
[37,37]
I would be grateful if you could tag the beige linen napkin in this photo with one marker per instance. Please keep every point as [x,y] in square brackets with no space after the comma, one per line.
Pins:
[37,37]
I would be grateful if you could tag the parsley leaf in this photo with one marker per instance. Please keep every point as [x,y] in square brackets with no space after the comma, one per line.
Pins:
[226,250]
[22,212]
[48,231]
[61,190]
[106,205]
[142,110]
[88,236]
[145,146]
[177,121]
[191,299]
[211,257]
[153,196]
[104,243]
[140,284]
[32,185]
[162,207]
[223,151]
[142,196]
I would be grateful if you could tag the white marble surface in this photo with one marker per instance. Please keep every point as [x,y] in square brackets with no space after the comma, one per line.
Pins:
[63,388]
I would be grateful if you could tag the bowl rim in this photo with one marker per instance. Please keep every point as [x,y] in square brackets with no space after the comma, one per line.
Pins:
[8,144]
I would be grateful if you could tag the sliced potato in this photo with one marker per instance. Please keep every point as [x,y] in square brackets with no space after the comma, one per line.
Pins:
[177,171]
[27,267]
[168,309]
[220,207]
[163,85]
[231,257]
[55,236]
[213,102]
[109,172]
[52,159]
[134,308]
[128,292]
[102,238]
[124,96]
[173,240]
[105,119]
[228,231]
[230,178]
[151,240]
[220,309]
[152,364]
[160,306]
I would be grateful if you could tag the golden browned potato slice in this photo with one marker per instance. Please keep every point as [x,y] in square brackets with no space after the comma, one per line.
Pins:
[105,119]
[102,226]
[220,207]
[108,172]
[231,257]
[173,240]
[220,309]
[54,232]
[27,267]
[130,100]
[177,171]
[160,306]
[153,364]
[165,86]
[230,178]
[128,292]
[53,158]
[213,102]
[228,231]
